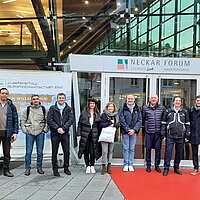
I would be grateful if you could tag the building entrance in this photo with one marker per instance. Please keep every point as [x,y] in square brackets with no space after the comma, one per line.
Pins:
[116,86]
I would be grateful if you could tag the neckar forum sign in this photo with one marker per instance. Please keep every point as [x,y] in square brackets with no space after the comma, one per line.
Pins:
[127,64]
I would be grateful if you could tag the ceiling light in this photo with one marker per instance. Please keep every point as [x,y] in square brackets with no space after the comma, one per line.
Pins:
[74,40]
[26,12]
[90,28]
[13,33]
[19,16]
[86,2]
[69,47]
[118,4]
[136,9]
[8,1]
[83,18]
[6,30]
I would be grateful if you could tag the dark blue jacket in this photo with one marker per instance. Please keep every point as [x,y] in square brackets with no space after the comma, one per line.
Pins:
[194,126]
[105,121]
[176,125]
[152,118]
[55,120]
[130,120]
[12,119]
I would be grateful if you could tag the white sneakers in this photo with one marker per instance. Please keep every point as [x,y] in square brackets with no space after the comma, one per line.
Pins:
[128,168]
[125,169]
[131,169]
[90,170]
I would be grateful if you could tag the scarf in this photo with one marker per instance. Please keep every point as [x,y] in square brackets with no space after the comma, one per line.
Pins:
[114,114]
[130,107]
[196,107]
[61,107]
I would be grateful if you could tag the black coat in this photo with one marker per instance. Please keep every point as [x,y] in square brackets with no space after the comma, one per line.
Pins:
[175,125]
[105,121]
[194,126]
[55,120]
[130,120]
[84,129]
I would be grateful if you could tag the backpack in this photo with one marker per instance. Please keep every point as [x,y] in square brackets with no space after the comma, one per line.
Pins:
[28,111]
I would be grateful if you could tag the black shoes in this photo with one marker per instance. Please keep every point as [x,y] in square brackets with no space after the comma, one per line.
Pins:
[27,172]
[40,171]
[148,169]
[8,174]
[56,173]
[66,171]
[177,171]
[158,169]
[165,173]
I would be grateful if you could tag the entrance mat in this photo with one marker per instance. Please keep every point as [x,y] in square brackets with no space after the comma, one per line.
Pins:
[141,185]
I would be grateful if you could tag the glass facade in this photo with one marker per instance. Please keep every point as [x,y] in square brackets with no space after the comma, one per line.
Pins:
[162,28]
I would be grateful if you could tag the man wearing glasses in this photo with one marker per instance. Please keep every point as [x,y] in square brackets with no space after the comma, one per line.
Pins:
[8,128]
[34,124]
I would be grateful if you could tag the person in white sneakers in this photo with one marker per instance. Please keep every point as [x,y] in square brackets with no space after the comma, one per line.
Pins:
[88,135]
[130,121]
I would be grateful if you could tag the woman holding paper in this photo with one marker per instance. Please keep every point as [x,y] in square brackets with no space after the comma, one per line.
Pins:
[109,118]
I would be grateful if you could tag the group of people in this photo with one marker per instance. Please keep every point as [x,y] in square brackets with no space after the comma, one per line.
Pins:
[174,126]
[35,121]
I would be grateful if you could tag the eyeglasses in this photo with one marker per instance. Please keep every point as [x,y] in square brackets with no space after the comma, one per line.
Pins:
[4,93]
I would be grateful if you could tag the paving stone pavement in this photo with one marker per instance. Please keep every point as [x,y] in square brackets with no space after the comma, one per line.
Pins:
[78,186]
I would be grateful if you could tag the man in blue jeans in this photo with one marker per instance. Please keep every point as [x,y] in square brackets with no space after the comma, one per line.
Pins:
[34,125]
[130,121]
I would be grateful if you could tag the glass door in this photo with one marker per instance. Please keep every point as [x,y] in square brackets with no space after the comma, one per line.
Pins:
[119,87]
[167,89]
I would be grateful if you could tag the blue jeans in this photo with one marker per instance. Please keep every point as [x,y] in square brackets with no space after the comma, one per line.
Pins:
[128,142]
[29,148]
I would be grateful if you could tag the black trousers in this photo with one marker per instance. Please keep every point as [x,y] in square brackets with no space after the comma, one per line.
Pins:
[89,155]
[169,149]
[153,141]
[56,139]
[6,152]
[195,156]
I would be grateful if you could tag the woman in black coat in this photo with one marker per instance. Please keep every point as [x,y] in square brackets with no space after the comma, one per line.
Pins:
[109,118]
[88,134]
[195,133]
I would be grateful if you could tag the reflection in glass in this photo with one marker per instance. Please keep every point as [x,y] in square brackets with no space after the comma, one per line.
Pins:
[119,89]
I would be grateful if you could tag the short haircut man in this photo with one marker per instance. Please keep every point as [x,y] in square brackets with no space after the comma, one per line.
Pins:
[8,128]
[34,124]
[59,119]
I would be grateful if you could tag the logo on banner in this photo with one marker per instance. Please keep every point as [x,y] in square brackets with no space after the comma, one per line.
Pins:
[122,64]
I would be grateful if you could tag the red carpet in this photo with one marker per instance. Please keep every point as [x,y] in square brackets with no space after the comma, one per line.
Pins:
[140,185]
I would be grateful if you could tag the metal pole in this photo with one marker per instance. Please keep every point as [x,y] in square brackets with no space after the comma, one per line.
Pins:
[56,36]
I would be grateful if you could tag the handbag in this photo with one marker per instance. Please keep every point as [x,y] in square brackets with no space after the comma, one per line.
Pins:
[107,134]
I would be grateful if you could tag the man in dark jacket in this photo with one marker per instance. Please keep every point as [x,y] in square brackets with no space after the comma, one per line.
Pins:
[175,129]
[8,128]
[59,119]
[130,120]
[195,133]
[152,118]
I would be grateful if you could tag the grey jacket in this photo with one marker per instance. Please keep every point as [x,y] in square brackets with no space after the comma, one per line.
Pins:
[35,123]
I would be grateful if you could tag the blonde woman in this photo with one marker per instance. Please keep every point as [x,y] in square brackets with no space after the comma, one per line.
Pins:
[108,118]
